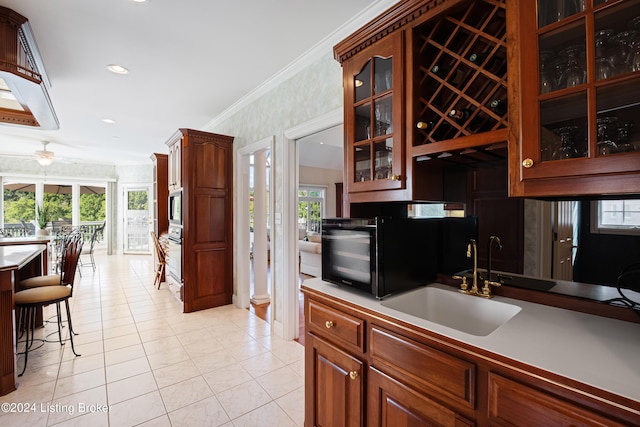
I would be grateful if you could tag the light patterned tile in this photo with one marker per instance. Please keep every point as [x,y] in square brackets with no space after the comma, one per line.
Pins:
[182,394]
[243,398]
[268,415]
[290,403]
[227,377]
[175,373]
[79,382]
[280,382]
[205,412]
[69,407]
[127,369]
[124,354]
[131,387]
[137,410]
[262,364]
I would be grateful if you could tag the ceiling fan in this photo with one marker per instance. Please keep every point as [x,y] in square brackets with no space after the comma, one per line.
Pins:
[44,157]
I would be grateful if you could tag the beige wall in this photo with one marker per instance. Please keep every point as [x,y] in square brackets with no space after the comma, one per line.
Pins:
[322,177]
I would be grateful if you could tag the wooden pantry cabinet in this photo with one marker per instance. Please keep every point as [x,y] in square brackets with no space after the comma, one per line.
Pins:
[574,88]
[363,368]
[425,87]
[201,166]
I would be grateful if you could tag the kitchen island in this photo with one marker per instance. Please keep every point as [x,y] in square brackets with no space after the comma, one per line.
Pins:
[543,362]
[17,261]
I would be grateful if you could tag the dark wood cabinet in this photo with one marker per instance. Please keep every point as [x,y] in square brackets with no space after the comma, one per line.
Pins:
[425,88]
[514,403]
[160,193]
[574,88]
[363,367]
[393,403]
[160,200]
[203,166]
[337,390]
[373,83]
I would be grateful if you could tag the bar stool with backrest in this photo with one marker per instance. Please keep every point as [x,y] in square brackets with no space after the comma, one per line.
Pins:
[29,300]
[162,260]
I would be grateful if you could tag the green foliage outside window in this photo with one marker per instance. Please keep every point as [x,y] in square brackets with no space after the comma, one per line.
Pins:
[21,205]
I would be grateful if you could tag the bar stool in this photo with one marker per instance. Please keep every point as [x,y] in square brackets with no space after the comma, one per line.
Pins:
[29,300]
[162,260]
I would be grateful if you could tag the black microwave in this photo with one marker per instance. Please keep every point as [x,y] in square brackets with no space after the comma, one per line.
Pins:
[381,255]
[175,207]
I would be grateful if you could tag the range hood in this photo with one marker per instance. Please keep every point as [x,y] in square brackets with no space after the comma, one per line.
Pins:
[24,100]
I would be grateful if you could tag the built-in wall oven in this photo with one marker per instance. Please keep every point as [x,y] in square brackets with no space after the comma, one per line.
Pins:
[174,260]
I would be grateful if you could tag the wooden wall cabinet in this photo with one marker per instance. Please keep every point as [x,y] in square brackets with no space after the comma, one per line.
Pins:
[160,193]
[203,168]
[425,86]
[174,167]
[160,199]
[415,377]
[574,98]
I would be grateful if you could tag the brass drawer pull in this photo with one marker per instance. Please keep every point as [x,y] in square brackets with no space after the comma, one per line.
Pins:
[328,324]
[353,375]
[527,163]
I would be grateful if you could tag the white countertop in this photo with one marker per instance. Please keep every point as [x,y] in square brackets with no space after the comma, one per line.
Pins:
[598,351]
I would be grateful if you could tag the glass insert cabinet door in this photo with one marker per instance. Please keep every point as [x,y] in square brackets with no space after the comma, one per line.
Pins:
[588,86]
[373,92]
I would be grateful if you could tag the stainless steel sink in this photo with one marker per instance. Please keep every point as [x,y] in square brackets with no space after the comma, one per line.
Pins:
[465,313]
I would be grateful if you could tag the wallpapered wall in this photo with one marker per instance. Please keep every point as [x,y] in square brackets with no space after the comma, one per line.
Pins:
[314,91]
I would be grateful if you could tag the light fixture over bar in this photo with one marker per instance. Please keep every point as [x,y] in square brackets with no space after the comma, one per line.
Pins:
[22,72]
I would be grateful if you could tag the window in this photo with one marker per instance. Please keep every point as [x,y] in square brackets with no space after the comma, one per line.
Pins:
[616,217]
[310,207]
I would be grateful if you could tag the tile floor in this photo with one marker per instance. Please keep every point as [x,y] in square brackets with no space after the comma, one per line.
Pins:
[146,363]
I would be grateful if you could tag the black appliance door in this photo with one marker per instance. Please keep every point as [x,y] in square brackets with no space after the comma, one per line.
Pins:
[349,256]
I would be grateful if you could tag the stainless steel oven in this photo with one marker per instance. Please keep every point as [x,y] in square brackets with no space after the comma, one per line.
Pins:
[174,258]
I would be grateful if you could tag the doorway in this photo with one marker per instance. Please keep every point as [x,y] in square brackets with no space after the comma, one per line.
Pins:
[137,223]
[254,243]
[290,171]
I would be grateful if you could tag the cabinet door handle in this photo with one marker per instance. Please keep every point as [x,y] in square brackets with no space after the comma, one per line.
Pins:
[328,324]
[395,177]
[353,375]
[527,163]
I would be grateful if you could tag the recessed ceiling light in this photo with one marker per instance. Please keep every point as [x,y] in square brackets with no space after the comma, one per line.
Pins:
[108,121]
[140,1]
[117,69]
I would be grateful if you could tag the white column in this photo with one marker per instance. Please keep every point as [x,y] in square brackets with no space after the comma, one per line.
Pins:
[75,204]
[260,266]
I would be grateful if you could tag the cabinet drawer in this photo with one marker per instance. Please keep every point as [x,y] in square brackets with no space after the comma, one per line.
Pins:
[336,326]
[517,404]
[415,363]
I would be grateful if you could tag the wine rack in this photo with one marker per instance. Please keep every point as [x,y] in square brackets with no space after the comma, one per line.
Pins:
[460,76]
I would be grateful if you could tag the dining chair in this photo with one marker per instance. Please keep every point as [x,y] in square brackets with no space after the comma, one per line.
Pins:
[29,300]
[162,260]
[94,238]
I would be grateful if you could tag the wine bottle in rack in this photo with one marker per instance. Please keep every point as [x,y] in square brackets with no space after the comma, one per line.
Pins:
[496,64]
[442,71]
[459,115]
[426,126]
[499,106]
[478,58]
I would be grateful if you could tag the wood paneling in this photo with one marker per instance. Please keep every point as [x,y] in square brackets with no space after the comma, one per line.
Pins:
[206,175]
